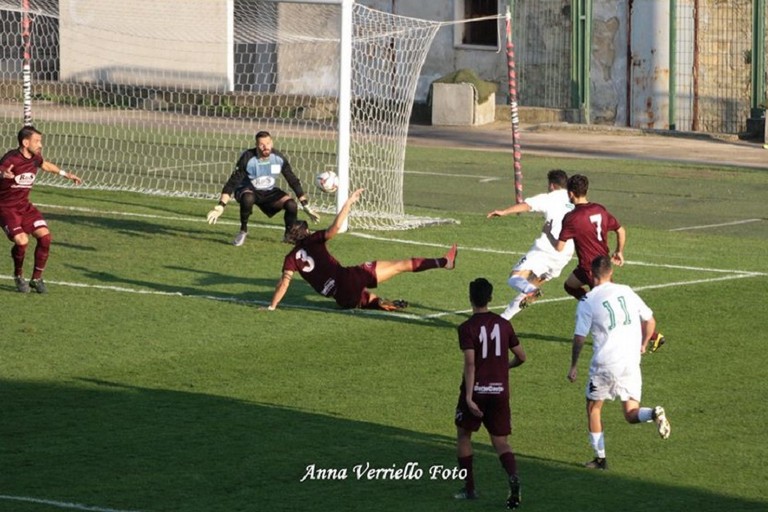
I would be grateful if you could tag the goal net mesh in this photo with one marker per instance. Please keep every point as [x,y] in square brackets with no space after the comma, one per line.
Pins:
[160,97]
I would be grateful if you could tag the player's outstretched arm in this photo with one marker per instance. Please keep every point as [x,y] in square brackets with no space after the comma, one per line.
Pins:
[516,208]
[55,169]
[334,228]
[280,289]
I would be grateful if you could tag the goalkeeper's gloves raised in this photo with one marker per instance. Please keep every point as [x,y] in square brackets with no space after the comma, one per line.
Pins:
[312,215]
[214,214]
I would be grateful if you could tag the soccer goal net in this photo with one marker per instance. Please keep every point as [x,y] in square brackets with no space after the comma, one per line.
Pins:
[161,96]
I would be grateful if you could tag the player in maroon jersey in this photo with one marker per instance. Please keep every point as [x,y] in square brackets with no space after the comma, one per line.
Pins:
[486,340]
[18,217]
[588,226]
[349,286]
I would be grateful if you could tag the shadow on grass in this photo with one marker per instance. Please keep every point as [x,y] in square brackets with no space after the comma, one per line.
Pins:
[121,447]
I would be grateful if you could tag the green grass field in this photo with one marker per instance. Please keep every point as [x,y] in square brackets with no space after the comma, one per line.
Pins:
[149,380]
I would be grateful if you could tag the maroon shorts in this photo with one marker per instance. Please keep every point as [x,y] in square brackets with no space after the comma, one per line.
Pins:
[26,219]
[585,276]
[352,284]
[497,416]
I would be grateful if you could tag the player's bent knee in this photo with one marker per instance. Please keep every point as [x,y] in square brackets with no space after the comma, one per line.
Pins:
[44,241]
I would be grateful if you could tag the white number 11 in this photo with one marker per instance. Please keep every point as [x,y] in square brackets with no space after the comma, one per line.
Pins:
[495,336]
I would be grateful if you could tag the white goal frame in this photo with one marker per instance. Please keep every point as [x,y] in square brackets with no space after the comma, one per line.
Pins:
[336,89]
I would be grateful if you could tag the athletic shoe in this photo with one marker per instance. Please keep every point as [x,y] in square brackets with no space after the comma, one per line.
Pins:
[662,423]
[240,238]
[513,500]
[464,494]
[450,257]
[597,463]
[21,284]
[530,298]
[656,342]
[38,285]
[392,305]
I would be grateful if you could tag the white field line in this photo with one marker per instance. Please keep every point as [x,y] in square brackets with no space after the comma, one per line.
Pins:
[707,226]
[481,179]
[61,504]
[743,275]
[184,167]
[734,274]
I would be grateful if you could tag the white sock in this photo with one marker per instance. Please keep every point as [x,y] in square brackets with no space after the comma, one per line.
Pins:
[520,284]
[645,414]
[597,440]
[513,308]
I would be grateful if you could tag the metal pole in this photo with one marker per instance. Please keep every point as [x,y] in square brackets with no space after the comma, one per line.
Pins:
[26,36]
[587,96]
[345,105]
[514,113]
[672,64]
[575,53]
[758,58]
[581,51]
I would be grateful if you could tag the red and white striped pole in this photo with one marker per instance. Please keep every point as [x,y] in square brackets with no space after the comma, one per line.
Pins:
[26,35]
[514,115]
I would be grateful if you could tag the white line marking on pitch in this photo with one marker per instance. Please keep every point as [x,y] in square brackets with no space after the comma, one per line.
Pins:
[184,167]
[707,226]
[61,504]
[636,288]
[123,289]
[482,179]
[738,274]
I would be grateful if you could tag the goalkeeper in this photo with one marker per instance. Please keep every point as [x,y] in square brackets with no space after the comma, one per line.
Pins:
[254,182]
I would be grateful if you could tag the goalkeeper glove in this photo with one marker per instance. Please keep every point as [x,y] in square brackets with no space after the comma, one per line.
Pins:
[214,214]
[312,215]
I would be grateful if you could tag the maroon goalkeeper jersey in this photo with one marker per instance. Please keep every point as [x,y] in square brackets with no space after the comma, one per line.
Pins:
[588,225]
[491,337]
[14,193]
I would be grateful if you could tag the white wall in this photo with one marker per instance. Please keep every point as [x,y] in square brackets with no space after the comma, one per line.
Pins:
[143,42]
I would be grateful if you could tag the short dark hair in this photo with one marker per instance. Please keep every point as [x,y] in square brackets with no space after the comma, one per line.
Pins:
[480,292]
[26,133]
[298,231]
[601,267]
[558,177]
[263,134]
[578,184]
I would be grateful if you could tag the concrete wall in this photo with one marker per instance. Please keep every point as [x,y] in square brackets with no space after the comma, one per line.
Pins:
[194,47]
[444,57]
[609,63]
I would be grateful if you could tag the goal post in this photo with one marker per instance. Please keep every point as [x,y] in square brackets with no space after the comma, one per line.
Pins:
[161,97]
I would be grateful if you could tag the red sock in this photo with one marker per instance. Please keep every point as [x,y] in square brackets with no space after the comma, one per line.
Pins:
[509,463]
[466,463]
[422,264]
[42,250]
[17,253]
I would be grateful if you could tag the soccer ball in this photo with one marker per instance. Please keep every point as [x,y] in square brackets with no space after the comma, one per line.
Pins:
[327,181]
